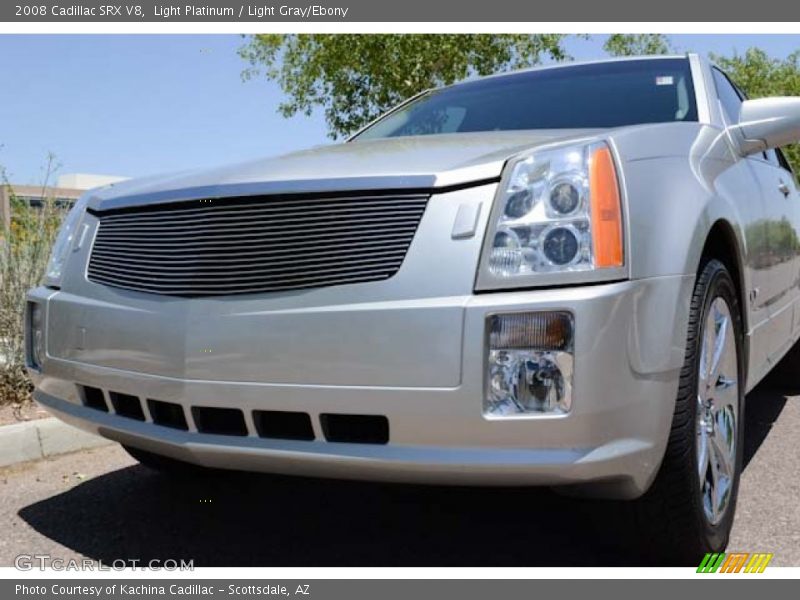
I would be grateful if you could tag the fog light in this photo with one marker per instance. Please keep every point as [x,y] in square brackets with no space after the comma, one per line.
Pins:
[530,363]
[35,335]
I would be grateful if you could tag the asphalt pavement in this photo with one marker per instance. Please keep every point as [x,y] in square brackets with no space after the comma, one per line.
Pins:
[102,505]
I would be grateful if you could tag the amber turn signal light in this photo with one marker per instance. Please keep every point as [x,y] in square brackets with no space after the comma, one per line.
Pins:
[606,210]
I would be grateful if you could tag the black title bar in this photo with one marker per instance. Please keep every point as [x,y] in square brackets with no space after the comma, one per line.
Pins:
[399,10]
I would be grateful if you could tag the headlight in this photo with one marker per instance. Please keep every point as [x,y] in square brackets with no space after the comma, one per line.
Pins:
[529,364]
[557,218]
[63,243]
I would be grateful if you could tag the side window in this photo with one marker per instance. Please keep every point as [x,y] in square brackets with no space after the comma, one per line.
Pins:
[783,161]
[728,96]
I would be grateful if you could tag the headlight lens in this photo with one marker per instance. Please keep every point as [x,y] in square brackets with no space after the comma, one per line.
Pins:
[63,243]
[558,211]
[529,364]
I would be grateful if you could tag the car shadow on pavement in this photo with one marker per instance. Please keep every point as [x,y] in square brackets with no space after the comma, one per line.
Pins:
[764,405]
[259,520]
[237,519]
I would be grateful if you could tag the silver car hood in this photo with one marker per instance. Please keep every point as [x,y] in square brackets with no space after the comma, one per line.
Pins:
[418,162]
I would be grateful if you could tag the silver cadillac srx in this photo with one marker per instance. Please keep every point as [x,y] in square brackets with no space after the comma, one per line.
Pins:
[568,276]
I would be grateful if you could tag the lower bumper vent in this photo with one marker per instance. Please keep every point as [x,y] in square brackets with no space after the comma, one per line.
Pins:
[93,398]
[167,414]
[355,429]
[269,424]
[283,425]
[220,421]
[127,405]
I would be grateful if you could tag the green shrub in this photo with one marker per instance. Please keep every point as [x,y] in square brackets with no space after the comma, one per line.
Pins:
[24,251]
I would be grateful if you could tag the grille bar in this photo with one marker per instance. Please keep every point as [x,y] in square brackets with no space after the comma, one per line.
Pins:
[287,264]
[196,291]
[228,259]
[226,217]
[241,233]
[227,205]
[254,244]
[362,231]
[289,272]
[217,245]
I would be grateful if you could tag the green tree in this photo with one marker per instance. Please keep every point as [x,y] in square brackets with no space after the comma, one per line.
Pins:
[638,44]
[355,78]
[759,75]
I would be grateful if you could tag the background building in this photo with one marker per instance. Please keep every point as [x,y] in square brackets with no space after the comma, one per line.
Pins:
[68,188]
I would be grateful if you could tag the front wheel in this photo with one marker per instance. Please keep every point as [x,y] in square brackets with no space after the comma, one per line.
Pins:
[689,509]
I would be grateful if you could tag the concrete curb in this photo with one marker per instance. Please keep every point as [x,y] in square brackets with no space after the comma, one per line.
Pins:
[33,440]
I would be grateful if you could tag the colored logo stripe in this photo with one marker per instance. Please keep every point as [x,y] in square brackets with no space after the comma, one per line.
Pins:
[734,563]
[758,562]
[711,562]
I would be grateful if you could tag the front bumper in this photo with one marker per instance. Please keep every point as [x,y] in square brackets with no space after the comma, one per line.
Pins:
[629,347]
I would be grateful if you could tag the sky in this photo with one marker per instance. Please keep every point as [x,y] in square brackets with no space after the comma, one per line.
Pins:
[135,105]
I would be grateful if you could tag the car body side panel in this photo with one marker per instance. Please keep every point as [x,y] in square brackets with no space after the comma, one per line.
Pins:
[680,181]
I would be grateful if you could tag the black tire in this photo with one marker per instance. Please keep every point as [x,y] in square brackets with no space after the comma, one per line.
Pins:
[165,464]
[671,513]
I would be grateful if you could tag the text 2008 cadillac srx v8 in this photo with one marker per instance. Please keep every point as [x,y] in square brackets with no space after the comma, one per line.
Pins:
[567,276]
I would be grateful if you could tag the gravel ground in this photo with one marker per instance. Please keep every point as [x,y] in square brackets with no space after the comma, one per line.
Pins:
[101,504]
[29,411]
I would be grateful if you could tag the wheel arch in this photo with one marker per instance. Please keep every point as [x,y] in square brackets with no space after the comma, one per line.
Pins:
[722,244]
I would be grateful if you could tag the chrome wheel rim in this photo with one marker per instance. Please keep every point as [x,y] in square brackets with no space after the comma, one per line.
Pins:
[717,411]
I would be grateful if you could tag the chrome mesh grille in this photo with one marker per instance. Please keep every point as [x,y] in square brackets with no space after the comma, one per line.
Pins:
[254,244]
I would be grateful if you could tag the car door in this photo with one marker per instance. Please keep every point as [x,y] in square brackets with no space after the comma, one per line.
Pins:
[787,185]
[780,283]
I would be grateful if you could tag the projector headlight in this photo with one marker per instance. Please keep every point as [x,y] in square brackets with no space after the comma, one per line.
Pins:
[557,219]
[64,242]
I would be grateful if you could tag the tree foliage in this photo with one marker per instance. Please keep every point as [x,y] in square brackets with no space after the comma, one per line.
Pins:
[637,44]
[355,78]
[759,75]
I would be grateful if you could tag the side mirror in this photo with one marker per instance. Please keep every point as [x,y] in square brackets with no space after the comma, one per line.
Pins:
[767,123]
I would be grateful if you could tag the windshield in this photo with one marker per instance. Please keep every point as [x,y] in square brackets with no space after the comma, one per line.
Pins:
[610,94]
